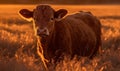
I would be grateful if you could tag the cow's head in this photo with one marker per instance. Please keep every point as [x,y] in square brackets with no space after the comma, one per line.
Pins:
[44,18]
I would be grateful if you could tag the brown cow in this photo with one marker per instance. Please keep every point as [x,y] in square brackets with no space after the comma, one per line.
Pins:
[76,34]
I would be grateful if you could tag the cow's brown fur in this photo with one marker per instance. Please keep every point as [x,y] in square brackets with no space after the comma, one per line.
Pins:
[93,23]
[76,34]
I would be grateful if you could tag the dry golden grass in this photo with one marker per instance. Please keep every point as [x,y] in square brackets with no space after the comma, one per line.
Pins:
[18,43]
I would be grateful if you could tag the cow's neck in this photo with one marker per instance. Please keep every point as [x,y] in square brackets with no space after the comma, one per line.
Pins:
[47,40]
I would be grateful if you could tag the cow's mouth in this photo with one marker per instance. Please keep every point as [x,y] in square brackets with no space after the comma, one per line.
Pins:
[42,35]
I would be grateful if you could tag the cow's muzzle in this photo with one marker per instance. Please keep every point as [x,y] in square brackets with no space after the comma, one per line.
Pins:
[43,32]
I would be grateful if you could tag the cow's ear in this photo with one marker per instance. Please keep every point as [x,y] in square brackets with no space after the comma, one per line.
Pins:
[60,13]
[26,13]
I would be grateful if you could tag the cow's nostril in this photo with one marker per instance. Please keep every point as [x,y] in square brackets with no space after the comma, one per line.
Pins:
[42,32]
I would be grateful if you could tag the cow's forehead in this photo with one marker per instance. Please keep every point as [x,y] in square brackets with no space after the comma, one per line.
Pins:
[43,11]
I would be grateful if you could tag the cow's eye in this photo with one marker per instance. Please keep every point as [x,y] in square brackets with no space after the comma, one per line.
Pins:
[51,18]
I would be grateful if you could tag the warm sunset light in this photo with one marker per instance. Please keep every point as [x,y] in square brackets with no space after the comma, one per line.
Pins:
[22,48]
[60,1]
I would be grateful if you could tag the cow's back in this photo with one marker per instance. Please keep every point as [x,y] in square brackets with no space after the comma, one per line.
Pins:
[89,19]
[83,37]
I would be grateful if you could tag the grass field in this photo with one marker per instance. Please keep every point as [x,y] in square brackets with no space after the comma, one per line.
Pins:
[18,43]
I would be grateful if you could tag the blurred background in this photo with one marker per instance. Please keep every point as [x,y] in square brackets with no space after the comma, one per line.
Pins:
[60,1]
